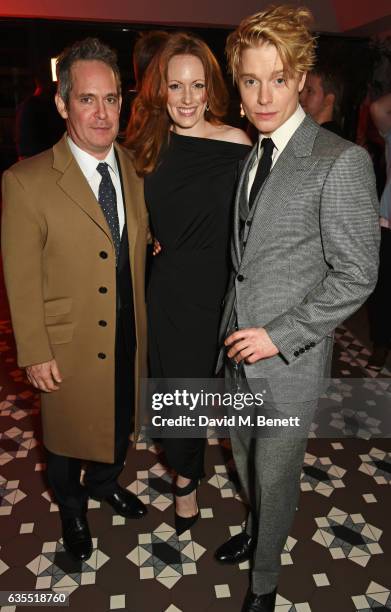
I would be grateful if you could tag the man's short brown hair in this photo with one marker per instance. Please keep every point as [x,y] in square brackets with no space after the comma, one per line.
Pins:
[89,49]
[331,84]
[285,27]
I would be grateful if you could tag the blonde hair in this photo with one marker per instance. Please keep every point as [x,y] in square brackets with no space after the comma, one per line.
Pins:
[285,27]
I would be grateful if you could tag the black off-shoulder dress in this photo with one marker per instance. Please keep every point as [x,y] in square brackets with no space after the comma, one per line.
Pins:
[189,196]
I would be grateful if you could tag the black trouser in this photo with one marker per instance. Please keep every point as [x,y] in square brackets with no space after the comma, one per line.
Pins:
[185,456]
[101,478]
[379,302]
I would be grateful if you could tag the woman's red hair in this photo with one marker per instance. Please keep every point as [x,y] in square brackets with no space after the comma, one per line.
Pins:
[149,124]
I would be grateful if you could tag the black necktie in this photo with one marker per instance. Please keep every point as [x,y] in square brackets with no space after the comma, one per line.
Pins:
[263,169]
[108,200]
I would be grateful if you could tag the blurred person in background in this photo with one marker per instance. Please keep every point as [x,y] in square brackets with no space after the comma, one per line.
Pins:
[38,124]
[321,99]
[379,304]
[146,47]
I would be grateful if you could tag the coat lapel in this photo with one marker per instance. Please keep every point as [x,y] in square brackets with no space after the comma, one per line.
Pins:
[128,175]
[74,184]
[280,186]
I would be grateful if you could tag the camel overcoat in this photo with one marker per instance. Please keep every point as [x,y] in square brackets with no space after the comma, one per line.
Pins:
[61,285]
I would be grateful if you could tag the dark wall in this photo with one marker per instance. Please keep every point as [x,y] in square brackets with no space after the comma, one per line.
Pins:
[26,44]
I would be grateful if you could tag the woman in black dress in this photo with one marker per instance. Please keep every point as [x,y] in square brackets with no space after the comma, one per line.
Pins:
[189,159]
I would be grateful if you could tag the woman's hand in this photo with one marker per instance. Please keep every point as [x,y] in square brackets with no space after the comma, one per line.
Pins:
[157,247]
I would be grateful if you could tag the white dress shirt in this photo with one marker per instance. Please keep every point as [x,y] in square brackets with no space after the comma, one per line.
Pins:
[88,164]
[280,137]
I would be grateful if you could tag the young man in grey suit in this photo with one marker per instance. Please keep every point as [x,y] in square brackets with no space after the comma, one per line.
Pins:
[305,257]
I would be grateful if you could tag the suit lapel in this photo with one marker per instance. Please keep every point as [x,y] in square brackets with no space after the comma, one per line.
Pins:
[280,186]
[239,192]
[75,185]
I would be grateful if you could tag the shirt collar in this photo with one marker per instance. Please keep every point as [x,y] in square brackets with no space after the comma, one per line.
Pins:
[282,135]
[88,163]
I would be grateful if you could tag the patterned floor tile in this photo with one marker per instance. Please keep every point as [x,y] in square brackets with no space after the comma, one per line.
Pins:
[164,556]
[117,602]
[55,570]
[10,494]
[143,566]
[348,536]
[222,591]
[321,580]
[321,475]
[154,487]
[3,566]
[15,443]
[226,482]
[355,423]
[376,597]
[377,463]
[283,605]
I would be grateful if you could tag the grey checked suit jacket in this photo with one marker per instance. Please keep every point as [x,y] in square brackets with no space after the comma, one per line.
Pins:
[310,259]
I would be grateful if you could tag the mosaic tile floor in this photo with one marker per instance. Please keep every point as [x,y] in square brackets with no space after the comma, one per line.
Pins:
[336,559]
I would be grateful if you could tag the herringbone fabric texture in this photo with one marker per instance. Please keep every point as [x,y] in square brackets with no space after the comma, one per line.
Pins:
[310,259]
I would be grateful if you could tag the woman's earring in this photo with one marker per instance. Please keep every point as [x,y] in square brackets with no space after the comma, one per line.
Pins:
[242,113]
[207,106]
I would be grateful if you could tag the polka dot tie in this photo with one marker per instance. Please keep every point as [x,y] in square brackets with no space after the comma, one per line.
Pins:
[108,200]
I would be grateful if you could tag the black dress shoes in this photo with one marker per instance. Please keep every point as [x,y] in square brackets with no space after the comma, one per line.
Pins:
[259,603]
[236,549]
[77,538]
[126,503]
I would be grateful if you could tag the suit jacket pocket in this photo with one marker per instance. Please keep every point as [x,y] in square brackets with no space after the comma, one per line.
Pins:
[60,333]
